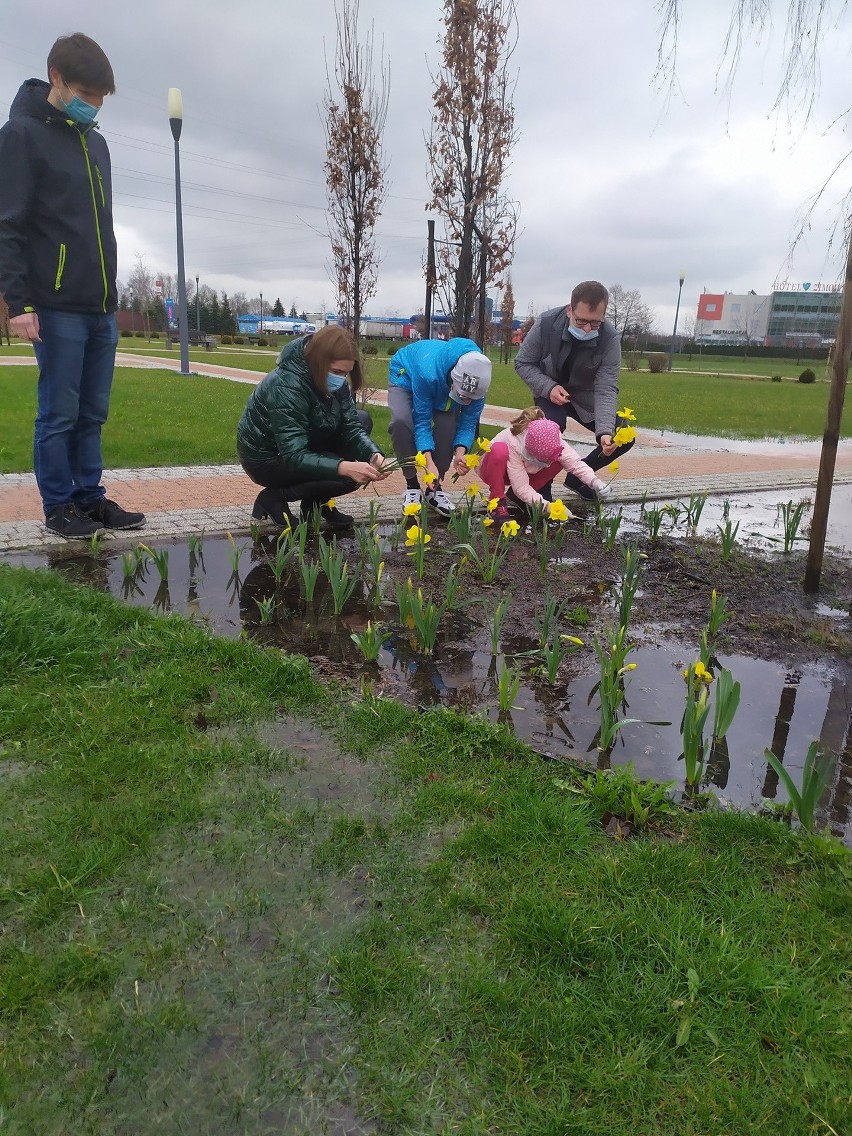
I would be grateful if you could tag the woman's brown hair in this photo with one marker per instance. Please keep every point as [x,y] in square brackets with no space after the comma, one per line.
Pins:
[326,347]
[519,424]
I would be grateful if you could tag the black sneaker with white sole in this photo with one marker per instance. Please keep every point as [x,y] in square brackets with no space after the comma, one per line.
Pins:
[68,522]
[111,516]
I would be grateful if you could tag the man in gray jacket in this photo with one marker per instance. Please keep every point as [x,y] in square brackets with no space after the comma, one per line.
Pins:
[570,360]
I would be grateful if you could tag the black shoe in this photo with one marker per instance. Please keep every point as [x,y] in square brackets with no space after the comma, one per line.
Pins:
[520,512]
[112,516]
[68,522]
[331,518]
[270,503]
[575,484]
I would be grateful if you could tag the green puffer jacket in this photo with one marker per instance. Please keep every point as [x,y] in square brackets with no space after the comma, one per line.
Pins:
[286,417]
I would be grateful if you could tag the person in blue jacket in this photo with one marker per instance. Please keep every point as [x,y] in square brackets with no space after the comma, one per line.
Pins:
[436,395]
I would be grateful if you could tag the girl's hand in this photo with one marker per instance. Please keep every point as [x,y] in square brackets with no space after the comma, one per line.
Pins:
[460,466]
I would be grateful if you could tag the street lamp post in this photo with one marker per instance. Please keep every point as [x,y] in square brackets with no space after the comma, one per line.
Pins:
[260,329]
[176,122]
[197,309]
[677,313]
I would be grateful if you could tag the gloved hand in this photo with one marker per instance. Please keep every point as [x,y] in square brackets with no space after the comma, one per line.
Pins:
[601,488]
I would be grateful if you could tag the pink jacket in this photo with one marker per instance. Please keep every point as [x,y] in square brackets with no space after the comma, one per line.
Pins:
[520,466]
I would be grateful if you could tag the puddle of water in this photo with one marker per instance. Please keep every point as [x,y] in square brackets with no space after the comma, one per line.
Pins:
[777,710]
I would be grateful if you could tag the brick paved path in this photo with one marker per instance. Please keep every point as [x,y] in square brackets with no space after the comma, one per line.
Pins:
[218,499]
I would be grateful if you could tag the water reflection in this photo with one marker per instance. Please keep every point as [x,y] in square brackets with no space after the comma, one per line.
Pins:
[780,710]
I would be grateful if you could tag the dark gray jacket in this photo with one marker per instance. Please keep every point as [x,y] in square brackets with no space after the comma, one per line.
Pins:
[594,374]
[57,245]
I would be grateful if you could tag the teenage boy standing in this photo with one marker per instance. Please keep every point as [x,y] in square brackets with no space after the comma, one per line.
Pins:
[57,274]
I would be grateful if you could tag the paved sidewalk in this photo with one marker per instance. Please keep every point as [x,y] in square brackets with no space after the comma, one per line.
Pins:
[179,500]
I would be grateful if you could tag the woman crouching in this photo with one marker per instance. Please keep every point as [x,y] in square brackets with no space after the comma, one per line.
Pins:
[300,436]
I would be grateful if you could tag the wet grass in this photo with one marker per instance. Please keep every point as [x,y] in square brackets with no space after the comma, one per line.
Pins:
[356,918]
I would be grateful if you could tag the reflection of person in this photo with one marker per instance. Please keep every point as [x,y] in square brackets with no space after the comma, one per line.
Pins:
[436,394]
[300,436]
[524,458]
[57,272]
[570,360]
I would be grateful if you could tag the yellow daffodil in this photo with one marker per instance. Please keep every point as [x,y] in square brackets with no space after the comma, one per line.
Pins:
[699,673]
[623,435]
[557,511]
[429,478]
[471,460]
[331,503]
[414,535]
[510,528]
[484,445]
[472,490]
[487,521]
[380,571]
[412,510]
[492,504]
[420,460]
[573,639]
[613,466]
[627,413]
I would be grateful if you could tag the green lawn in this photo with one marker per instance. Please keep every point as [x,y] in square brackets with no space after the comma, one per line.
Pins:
[162,418]
[200,936]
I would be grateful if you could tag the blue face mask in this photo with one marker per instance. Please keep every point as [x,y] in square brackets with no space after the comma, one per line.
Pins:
[83,113]
[581,334]
[334,382]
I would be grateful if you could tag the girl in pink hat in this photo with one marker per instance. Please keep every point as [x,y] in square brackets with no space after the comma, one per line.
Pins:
[527,456]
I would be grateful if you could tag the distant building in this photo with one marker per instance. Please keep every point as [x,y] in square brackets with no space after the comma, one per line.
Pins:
[795,315]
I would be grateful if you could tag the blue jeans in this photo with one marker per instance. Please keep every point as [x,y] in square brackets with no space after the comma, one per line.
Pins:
[76,358]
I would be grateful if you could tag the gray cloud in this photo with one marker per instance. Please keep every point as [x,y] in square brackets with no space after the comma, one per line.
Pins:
[613,181]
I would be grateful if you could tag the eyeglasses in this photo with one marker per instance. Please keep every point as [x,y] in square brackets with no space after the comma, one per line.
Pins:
[593,325]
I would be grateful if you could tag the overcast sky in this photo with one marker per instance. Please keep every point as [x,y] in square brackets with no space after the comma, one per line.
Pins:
[615,181]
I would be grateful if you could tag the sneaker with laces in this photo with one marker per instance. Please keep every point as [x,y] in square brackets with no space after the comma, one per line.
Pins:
[109,515]
[67,521]
[438,500]
[412,497]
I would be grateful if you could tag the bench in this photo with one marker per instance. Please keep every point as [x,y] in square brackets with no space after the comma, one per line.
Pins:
[196,339]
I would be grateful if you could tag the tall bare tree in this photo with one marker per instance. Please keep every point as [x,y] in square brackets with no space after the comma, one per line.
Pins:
[506,328]
[473,131]
[806,27]
[630,315]
[355,170]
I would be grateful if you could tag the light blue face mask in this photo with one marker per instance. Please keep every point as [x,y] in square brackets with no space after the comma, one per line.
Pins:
[582,334]
[83,113]
[334,382]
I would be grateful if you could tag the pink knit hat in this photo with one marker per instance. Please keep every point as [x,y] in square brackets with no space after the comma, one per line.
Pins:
[544,440]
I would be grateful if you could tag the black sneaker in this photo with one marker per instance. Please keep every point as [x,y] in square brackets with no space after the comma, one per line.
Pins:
[518,510]
[112,516]
[575,485]
[68,522]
